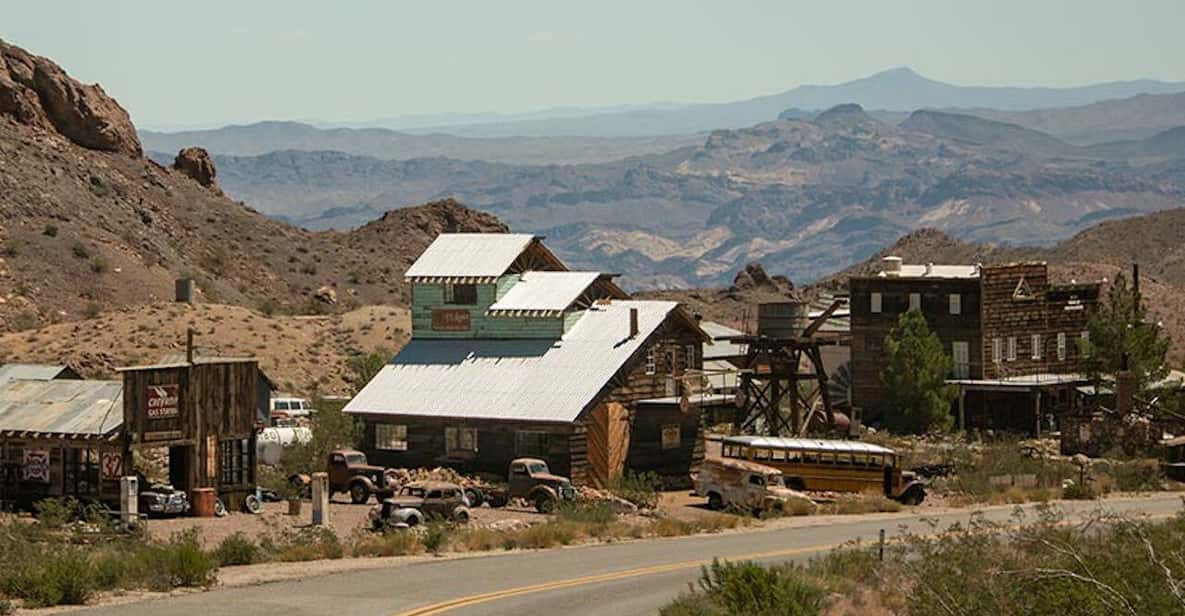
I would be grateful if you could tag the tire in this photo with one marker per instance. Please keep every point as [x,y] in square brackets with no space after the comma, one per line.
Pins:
[475,497]
[913,496]
[461,517]
[359,493]
[544,502]
[498,500]
[413,521]
[715,501]
[219,508]
[252,504]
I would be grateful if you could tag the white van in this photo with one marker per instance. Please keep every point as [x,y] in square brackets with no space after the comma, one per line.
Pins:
[290,408]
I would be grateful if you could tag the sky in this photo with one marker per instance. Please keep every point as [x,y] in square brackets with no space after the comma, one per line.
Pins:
[218,62]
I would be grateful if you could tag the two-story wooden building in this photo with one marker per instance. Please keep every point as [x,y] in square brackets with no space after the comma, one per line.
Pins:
[513,355]
[1013,336]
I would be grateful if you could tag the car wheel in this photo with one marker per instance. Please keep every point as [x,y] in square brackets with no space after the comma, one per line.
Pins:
[715,502]
[412,521]
[461,517]
[498,500]
[544,503]
[252,504]
[359,494]
[219,508]
[474,496]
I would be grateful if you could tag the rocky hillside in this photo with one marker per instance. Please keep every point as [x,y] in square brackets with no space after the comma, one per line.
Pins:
[804,196]
[88,225]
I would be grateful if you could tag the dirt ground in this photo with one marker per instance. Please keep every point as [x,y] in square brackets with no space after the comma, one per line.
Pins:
[344,518]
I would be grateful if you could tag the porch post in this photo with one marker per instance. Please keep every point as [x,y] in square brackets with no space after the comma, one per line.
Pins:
[1037,408]
[962,409]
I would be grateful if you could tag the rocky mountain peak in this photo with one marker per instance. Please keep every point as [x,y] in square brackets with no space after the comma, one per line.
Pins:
[754,278]
[35,91]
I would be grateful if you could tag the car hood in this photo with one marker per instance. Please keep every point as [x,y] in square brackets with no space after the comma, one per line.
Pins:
[405,501]
[549,477]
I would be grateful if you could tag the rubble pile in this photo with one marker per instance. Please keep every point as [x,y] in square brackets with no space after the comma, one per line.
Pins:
[619,505]
[404,476]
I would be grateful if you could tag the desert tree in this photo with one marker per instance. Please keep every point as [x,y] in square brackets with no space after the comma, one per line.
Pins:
[917,398]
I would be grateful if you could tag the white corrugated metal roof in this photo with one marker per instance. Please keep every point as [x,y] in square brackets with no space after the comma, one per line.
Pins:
[1024,380]
[544,291]
[806,443]
[720,347]
[936,271]
[29,372]
[524,379]
[469,255]
[68,407]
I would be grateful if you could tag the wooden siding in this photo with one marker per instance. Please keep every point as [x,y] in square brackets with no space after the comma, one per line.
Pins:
[429,297]
[1045,314]
[646,452]
[870,329]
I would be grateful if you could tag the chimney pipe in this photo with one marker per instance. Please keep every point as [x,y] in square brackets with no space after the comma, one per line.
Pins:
[189,346]
[633,323]
[892,265]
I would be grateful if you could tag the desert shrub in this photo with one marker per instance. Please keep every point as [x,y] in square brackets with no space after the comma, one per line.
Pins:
[50,230]
[844,567]
[478,540]
[667,526]
[237,549]
[641,489]
[750,588]
[1078,491]
[1136,475]
[391,543]
[179,562]
[436,536]
[80,251]
[586,512]
[545,535]
[6,607]
[312,543]
[99,265]
[849,504]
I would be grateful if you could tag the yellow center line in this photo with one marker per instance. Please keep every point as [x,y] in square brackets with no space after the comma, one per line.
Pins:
[463,602]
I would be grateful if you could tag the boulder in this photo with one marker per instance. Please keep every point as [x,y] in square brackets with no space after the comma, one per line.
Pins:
[326,294]
[37,92]
[197,164]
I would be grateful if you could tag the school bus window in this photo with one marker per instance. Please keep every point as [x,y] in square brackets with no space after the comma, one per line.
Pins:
[794,456]
[761,454]
[778,455]
[810,457]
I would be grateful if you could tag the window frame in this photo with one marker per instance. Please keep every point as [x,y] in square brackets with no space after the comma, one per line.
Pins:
[450,294]
[1012,345]
[540,448]
[1037,350]
[390,441]
[1061,346]
[955,301]
[915,301]
[455,444]
[651,360]
[876,303]
[997,350]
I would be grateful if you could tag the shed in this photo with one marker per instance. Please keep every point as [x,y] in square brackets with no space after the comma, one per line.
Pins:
[35,372]
[61,438]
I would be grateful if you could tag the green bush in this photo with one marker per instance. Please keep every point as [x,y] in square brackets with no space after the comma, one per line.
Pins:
[586,512]
[395,542]
[1078,491]
[180,562]
[641,489]
[753,589]
[1137,476]
[63,575]
[312,543]
[237,549]
[436,536]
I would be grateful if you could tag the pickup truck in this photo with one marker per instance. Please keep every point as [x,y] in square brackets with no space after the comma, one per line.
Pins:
[748,486]
[530,479]
[350,473]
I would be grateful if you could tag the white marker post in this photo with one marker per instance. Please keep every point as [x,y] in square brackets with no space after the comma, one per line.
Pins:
[129,502]
[320,499]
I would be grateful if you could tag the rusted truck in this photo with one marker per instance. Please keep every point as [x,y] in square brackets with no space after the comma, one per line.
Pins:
[747,486]
[350,473]
[527,478]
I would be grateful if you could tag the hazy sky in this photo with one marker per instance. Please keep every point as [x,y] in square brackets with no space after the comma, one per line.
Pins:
[215,62]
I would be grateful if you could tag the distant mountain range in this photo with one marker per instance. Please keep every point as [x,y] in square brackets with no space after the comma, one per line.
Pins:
[807,197]
[899,89]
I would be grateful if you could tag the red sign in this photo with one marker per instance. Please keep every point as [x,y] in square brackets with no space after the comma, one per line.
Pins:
[163,401]
[450,320]
[112,465]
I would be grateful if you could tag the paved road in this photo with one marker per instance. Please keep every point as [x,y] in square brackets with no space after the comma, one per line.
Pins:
[622,579]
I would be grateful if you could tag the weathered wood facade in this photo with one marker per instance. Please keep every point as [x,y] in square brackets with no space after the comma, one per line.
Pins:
[1005,321]
[204,414]
[87,469]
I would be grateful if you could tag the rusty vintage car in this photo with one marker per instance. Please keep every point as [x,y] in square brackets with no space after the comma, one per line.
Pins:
[747,486]
[420,501]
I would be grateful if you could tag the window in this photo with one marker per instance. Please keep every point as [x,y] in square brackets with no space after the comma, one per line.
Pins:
[1061,347]
[875,301]
[651,361]
[956,303]
[1012,348]
[462,441]
[234,458]
[1036,341]
[915,301]
[390,437]
[460,294]
[997,350]
[689,353]
[961,353]
[1085,335]
[671,438]
[531,444]
[281,405]
[756,480]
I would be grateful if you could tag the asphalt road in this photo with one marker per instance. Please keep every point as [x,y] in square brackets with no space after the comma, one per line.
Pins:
[623,579]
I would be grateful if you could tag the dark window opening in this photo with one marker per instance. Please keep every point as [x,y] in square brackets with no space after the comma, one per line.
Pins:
[460,294]
[234,458]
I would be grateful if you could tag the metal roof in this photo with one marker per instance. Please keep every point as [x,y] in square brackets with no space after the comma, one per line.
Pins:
[30,372]
[721,347]
[806,443]
[703,399]
[61,408]
[1023,381]
[477,256]
[543,293]
[935,271]
[523,379]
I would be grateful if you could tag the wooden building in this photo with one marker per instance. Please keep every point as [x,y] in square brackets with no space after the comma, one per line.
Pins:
[60,437]
[204,413]
[1014,337]
[512,355]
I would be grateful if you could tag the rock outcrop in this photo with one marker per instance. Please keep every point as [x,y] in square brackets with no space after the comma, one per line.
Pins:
[37,92]
[753,278]
[197,164]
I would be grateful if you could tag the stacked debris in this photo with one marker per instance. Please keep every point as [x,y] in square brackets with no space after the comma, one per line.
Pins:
[619,505]
[404,476]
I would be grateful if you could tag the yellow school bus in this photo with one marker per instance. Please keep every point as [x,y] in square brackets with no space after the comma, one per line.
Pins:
[829,465]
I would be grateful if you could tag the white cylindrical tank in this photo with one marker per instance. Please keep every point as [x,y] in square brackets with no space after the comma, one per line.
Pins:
[271,442]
